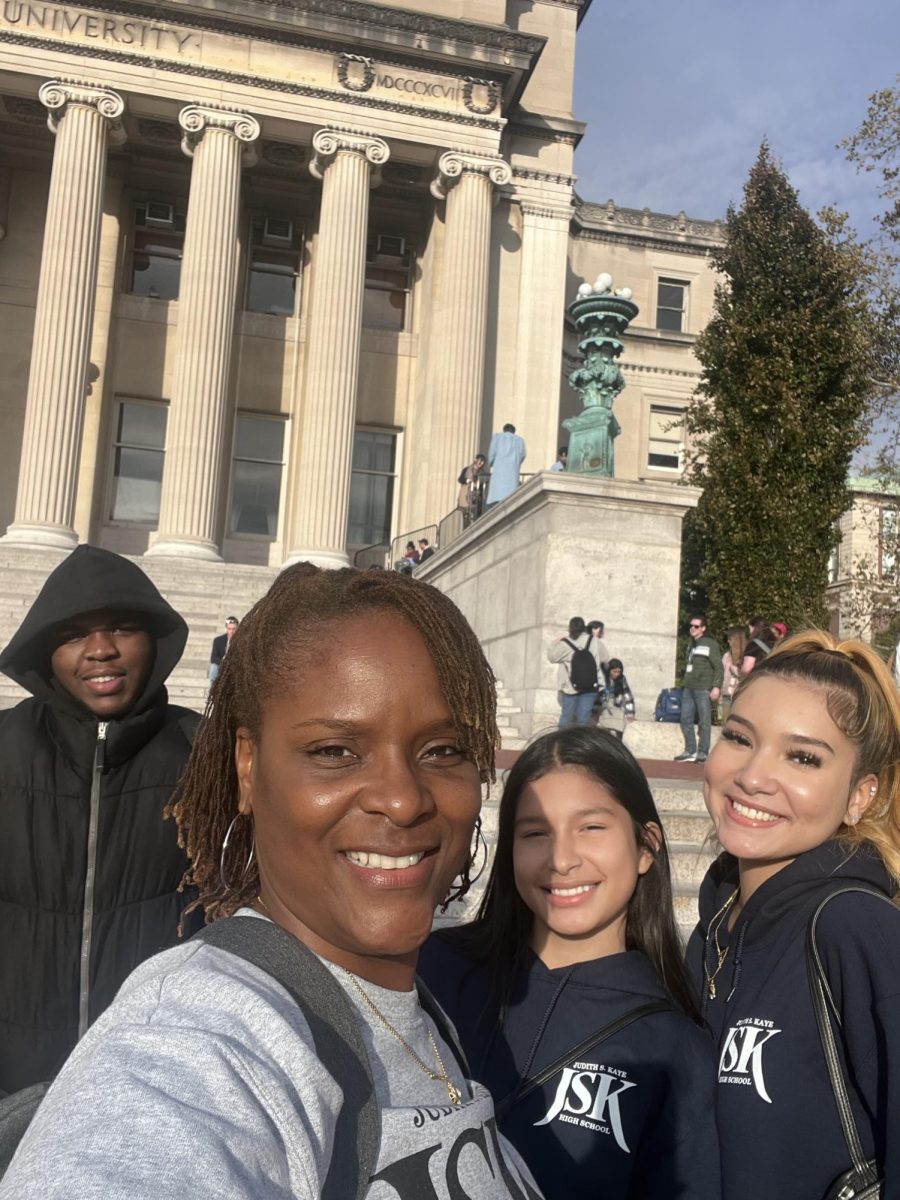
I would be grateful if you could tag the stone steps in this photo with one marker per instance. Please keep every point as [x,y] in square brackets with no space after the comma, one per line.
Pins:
[510,736]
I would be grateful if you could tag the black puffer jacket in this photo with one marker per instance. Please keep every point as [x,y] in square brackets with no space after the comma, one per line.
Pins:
[89,870]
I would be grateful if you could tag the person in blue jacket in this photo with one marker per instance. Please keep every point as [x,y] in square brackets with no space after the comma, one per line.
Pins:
[577,930]
[804,792]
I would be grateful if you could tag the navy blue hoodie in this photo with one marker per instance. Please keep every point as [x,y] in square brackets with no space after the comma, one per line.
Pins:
[633,1120]
[778,1124]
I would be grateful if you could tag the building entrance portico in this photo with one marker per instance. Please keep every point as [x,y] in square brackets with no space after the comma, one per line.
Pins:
[258,289]
[268,282]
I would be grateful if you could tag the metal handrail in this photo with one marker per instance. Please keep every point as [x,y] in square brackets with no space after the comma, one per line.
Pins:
[372,556]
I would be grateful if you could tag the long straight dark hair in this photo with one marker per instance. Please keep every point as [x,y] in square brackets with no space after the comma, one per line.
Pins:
[501,933]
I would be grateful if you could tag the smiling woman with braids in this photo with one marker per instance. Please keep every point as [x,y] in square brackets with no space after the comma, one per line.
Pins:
[327,808]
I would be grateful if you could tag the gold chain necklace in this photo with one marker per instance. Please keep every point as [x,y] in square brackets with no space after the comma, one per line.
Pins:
[721,954]
[440,1075]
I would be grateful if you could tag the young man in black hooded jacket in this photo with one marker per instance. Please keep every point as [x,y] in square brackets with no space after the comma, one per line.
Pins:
[89,869]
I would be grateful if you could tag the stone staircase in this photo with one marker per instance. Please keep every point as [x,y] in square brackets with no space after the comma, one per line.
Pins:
[204,593]
[510,737]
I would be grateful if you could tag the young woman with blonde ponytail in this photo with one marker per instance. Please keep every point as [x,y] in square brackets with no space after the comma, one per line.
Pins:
[804,792]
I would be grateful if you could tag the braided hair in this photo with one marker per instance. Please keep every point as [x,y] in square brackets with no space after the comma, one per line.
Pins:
[265,653]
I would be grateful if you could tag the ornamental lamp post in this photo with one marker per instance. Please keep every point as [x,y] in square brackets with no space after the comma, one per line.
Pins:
[600,316]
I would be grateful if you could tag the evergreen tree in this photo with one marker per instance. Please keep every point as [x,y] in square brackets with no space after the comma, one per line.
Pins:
[782,406]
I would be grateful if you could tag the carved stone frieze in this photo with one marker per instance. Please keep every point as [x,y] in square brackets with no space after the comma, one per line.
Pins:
[547,212]
[355,72]
[58,94]
[593,215]
[328,143]
[453,164]
[543,176]
[481,96]
[195,119]
[238,78]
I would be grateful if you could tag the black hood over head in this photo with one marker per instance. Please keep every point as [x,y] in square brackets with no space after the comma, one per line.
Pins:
[92,580]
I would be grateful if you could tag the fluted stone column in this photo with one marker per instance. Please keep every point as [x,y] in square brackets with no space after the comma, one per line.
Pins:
[321,495]
[85,119]
[456,350]
[534,405]
[217,140]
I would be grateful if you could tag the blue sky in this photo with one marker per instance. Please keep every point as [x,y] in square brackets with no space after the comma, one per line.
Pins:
[677,98]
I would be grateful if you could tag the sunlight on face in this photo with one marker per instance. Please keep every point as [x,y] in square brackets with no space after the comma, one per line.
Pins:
[779,780]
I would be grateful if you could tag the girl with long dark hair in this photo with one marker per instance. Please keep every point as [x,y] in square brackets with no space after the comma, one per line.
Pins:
[576,937]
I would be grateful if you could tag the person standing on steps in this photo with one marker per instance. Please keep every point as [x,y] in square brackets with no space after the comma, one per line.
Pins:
[506,454]
[703,674]
[220,648]
[89,869]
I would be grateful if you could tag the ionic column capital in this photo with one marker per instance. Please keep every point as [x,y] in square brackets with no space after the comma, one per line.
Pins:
[454,164]
[328,143]
[58,94]
[195,119]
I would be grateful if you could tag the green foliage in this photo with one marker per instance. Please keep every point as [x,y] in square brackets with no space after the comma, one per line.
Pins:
[872,603]
[783,402]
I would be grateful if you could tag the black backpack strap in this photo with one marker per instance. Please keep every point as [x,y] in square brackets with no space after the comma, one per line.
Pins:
[335,1030]
[444,1026]
[526,1086]
[822,999]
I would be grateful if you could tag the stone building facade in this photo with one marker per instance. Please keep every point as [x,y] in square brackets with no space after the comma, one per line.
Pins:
[271,273]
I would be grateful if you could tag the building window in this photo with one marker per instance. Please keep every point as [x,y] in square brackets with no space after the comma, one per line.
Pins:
[890,542]
[388,273]
[671,305]
[834,563]
[138,461]
[158,245]
[274,266]
[666,442]
[371,487]
[256,474]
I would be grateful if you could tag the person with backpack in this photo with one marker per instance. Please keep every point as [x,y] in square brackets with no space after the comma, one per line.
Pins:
[568,990]
[90,872]
[286,1052]
[581,660]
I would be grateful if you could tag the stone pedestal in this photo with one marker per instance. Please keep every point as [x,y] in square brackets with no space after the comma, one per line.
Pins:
[564,546]
[83,119]
[189,508]
[321,493]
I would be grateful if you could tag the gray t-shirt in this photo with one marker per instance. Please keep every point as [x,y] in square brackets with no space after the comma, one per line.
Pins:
[202,1079]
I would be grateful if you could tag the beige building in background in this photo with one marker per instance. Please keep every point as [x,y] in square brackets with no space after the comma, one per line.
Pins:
[271,274]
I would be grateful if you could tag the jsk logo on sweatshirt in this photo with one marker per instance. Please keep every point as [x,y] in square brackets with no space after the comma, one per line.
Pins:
[741,1061]
[589,1095]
